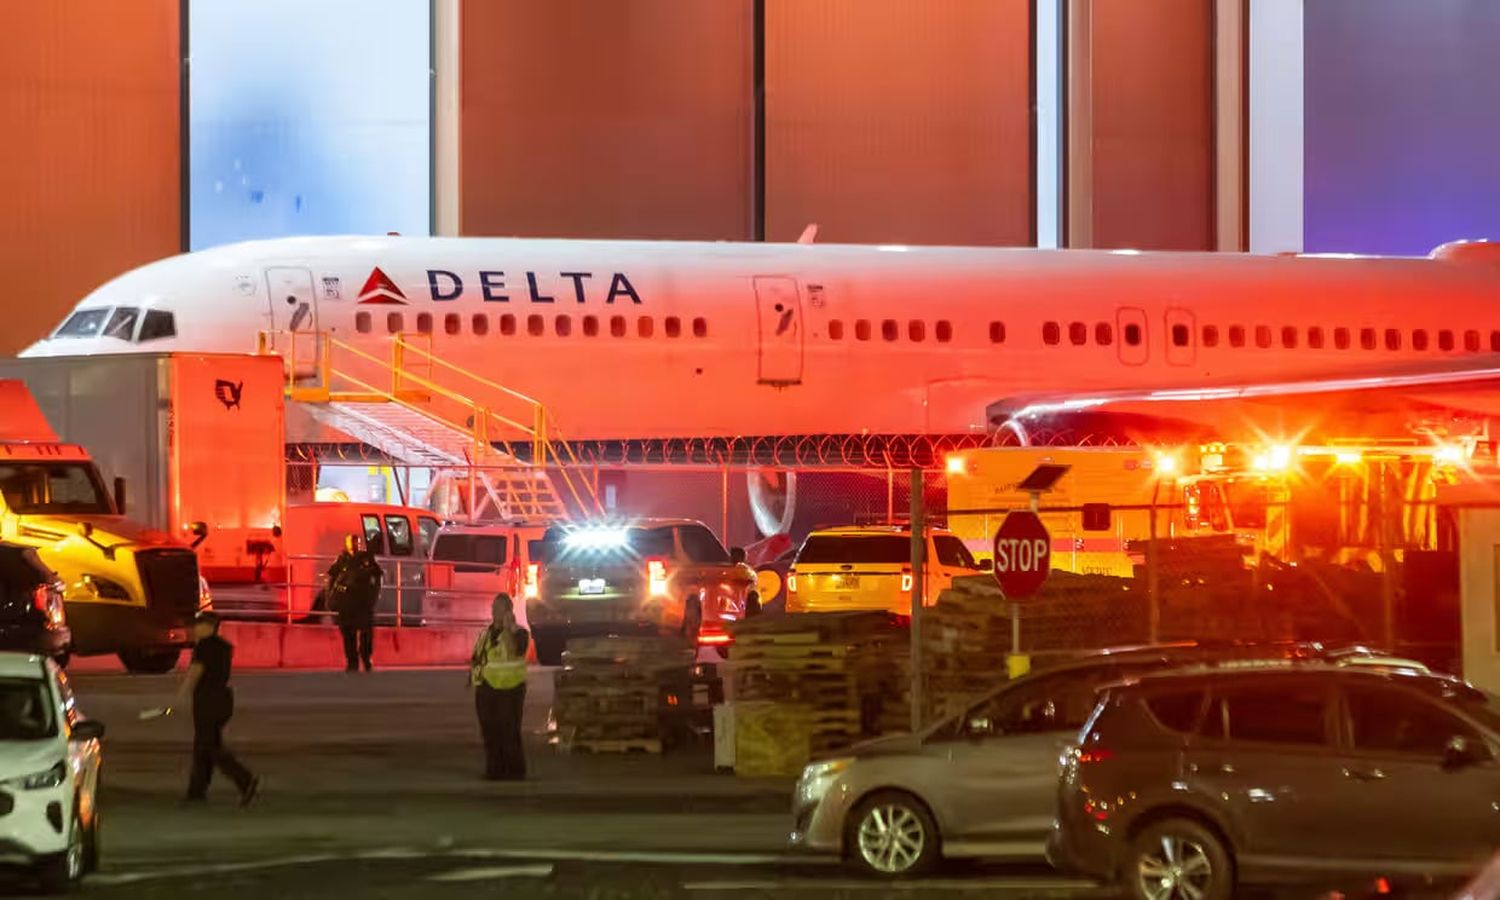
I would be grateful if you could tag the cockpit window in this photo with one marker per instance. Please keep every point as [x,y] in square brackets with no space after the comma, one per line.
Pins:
[158,324]
[84,323]
[122,323]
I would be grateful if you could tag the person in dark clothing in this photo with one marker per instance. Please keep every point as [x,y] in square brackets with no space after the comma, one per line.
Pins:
[497,671]
[354,589]
[207,682]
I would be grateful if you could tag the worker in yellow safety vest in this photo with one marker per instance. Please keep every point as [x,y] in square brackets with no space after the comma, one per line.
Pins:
[497,671]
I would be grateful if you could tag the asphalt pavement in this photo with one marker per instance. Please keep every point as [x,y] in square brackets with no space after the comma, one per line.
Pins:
[372,789]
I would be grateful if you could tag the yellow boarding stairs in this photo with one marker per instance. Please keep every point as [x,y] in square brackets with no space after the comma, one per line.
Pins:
[466,428]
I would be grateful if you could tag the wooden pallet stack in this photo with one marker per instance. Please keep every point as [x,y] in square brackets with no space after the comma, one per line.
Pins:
[965,638]
[808,684]
[609,694]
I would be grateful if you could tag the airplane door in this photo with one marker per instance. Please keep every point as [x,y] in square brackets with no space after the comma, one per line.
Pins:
[778,306]
[1135,338]
[293,316]
[1182,338]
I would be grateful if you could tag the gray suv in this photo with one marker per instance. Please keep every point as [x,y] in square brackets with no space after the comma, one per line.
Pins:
[1183,784]
[984,783]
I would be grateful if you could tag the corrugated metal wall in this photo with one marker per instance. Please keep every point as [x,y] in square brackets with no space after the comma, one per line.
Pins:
[1141,140]
[903,121]
[89,167]
[583,118]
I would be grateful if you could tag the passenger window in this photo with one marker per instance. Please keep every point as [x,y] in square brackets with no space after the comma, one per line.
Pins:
[1495,341]
[862,329]
[1341,338]
[1315,338]
[1181,337]
[160,324]
[399,528]
[452,324]
[1387,721]
[1176,710]
[617,327]
[480,324]
[916,330]
[1392,339]
[374,535]
[1419,339]
[563,325]
[944,331]
[1471,341]
[1272,713]
[427,530]
[835,330]
[700,328]
[488,550]
[362,322]
[1133,334]
[395,323]
[1445,340]
[1367,338]
[590,326]
[997,332]
[1048,703]
[673,327]
[1236,335]
[1104,334]
[1078,334]
[424,323]
[1051,334]
[1263,336]
[644,326]
[507,324]
[889,329]
[1210,335]
[1289,337]
[536,326]
[951,552]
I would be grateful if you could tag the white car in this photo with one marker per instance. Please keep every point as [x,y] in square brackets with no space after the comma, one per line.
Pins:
[49,773]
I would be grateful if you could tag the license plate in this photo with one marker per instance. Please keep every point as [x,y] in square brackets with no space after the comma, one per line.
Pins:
[846,582]
[591,585]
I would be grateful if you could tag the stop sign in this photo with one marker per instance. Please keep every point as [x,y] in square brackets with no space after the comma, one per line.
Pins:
[1023,554]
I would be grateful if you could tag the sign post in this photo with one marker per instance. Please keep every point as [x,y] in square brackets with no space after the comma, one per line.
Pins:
[1023,560]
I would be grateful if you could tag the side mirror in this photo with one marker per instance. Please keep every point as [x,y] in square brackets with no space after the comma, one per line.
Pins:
[120,495]
[88,730]
[737,556]
[86,529]
[1460,753]
[986,565]
[199,531]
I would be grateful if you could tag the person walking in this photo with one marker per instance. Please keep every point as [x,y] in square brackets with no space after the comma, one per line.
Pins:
[354,590]
[207,682]
[497,672]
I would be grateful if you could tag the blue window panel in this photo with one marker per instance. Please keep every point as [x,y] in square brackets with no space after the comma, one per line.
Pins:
[308,117]
[1401,124]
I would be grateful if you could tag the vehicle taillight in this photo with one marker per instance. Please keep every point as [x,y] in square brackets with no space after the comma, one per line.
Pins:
[1097,755]
[40,599]
[47,600]
[533,579]
[714,638]
[656,577]
[906,581]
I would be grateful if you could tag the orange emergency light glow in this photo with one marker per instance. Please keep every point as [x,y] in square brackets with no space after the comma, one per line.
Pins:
[714,638]
[1166,464]
[531,590]
[956,465]
[656,577]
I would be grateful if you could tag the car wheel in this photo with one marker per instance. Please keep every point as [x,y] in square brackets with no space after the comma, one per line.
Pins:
[891,834]
[62,872]
[1178,859]
[149,662]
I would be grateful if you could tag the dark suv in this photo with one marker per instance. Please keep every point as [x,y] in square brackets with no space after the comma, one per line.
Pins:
[1183,784]
[31,605]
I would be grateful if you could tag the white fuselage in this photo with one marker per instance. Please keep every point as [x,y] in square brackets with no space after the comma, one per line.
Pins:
[653,339]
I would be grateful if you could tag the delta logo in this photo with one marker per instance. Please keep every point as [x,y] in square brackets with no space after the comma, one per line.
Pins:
[379,289]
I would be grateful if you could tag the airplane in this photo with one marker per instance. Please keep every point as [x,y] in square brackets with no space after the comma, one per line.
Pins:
[637,339]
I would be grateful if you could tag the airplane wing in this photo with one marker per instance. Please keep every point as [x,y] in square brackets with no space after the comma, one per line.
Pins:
[1347,404]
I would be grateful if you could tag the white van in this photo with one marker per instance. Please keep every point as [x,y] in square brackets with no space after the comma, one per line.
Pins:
[400,536]
[473,563]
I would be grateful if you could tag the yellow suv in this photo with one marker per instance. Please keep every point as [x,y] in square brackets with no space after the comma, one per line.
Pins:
[862,567]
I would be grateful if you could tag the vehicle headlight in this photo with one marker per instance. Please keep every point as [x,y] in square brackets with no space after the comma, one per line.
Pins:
[36,781]
[819,777]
